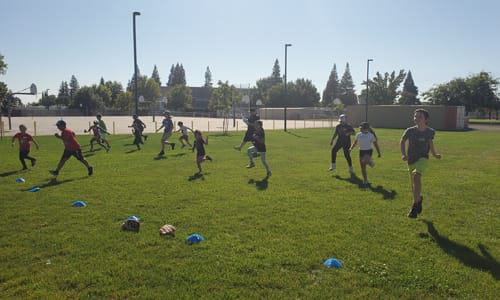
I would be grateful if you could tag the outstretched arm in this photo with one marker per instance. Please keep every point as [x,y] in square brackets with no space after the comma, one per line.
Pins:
[433,150]
[402,145]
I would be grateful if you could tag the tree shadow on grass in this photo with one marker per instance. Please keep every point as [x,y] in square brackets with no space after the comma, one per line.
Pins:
[466,255]
[354,179]
[260,184]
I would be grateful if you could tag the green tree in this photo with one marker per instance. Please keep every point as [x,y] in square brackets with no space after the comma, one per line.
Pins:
[63,97]
[332,89]
[116,89]
[3,65]
[346,88]
[303,93]
[47,100]
[180,97]
[88,100]
[276,74]
[156,76]
[384,89]
[208,78]
[74,86]
[124,102]
[177,75]
[222,97]
[410,92]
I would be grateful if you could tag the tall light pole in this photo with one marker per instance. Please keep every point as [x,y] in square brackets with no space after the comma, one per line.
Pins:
[134,14]
[367,88]
[286,92]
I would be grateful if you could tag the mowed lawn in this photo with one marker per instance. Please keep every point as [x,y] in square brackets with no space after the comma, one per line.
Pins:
[263,239]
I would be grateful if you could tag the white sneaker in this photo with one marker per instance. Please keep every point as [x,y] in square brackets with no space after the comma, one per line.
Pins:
[371,163]
[332,167]
[351,170]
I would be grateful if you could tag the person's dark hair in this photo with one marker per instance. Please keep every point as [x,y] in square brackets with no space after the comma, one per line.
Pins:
[423,111]
[180,123]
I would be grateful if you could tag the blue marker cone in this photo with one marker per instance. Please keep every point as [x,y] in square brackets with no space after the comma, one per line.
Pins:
[34,189]
[79,203]
[194,239]
[332,263]
[20,179]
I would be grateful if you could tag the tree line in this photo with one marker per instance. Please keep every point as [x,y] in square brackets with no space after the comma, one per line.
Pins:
[476,92]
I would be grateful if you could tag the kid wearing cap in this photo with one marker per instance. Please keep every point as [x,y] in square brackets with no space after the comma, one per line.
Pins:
[24,140]
[420,142]
[343,131]
[71,148]
[365,139]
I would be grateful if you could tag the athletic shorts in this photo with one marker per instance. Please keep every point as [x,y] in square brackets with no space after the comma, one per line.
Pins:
[184,137]
[76,153]
[362,153]
[419,166]
[166,135]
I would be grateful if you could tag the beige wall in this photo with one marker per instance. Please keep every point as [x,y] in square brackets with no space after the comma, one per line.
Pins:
[401,116]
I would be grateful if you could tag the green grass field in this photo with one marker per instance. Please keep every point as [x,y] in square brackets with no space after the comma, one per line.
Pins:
[263,239]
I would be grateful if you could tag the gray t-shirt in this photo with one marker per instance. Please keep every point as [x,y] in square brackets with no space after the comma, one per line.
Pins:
[418,143]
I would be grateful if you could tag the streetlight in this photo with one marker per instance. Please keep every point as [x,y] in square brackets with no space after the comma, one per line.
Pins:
[286,93]
[367,83]
[134,14]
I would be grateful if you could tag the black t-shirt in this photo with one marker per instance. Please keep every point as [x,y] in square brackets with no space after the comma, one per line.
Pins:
[261,146]
[343,132]
[418,143]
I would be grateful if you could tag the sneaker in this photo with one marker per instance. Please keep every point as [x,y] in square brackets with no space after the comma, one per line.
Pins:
[208,158]
[33,162]
[351,170]
[145,137]
[91,171]
[54,172]
[107,149]
[250,166]
[419,206]
[25,168]
[182,147]
[371,163]
[269,174]
[237,148]
[173,146]
[161,153]
[332,167]
[413,213]
[365,183]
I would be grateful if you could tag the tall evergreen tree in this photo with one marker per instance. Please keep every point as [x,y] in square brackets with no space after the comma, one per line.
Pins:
[410,91]
[276,75]
[177,75]
[156,75]
[74,87]
[208,78]
[101,82]
[332,89]
[171,76]
[346,87]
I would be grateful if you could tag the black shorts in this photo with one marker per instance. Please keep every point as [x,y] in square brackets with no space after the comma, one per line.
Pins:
[248,136]
[76,153]
[365,152]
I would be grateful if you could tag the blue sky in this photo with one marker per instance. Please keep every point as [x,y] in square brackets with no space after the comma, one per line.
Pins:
[46,42]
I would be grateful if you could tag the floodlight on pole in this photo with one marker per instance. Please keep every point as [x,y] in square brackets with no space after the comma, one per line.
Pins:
[367,87]
[286,92]
[134,14]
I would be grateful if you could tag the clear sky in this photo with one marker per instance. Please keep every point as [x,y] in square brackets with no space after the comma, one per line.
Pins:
[46,42]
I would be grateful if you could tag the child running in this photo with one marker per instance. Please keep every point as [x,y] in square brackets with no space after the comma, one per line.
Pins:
[137,129]
[199,143]
[71,148]
[104,131]
[97,136]
[24,140]
[365,139]
[258,148]
[420,142]
[184,134]
[343,131]
[168,126]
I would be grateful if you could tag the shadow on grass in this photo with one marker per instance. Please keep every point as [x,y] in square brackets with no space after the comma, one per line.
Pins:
[132,151]
[52,182]
[296,135]
[354,179]
[466,255]
[260,184]
[6,174]
[196,176]
[160,157]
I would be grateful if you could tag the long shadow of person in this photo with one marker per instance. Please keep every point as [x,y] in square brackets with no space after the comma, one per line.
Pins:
[466,255]
[6,174]
[354,179]
[195,176]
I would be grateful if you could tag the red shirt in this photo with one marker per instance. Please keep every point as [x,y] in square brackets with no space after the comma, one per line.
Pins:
[69,140]
[24,140]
